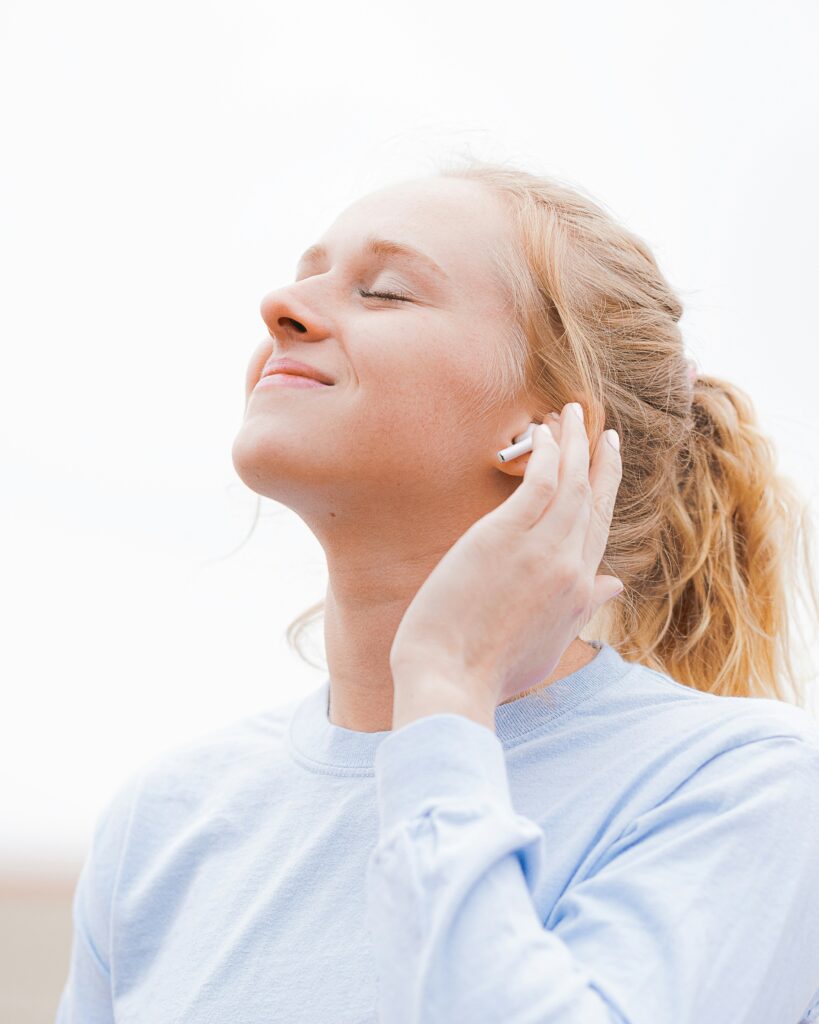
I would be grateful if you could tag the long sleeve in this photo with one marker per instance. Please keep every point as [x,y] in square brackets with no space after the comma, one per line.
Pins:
[86,996]
[705,909]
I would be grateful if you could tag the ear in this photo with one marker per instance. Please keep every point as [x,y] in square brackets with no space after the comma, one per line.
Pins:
[517,467]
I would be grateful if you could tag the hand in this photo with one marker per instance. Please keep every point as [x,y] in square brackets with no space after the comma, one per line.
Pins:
[496,614]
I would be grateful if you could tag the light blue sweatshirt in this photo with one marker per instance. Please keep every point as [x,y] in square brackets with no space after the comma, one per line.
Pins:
[623,849]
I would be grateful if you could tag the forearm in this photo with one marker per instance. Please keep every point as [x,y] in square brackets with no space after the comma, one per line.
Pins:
[455,932]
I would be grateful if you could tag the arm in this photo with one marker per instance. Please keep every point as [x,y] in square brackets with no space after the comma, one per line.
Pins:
[705,909]
[86,996]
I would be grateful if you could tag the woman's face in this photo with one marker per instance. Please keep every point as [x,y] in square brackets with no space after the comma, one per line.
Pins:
[396,431]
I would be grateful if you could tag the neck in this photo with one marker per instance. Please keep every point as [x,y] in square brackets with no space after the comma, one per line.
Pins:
[360,622]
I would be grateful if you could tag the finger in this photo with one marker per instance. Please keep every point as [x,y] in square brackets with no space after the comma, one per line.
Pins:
[552,421]
[526,504]
[569,511]
[604,477]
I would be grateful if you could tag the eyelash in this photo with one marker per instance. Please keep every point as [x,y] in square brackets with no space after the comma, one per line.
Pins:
[396,297]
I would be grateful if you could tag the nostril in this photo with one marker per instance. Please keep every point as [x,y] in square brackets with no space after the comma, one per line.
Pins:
[289,320]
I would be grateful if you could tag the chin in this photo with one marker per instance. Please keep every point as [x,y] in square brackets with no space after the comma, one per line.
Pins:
[249,453]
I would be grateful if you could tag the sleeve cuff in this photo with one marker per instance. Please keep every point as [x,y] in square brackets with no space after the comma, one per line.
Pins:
[438,757]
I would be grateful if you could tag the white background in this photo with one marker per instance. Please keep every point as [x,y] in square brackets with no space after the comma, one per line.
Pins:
[164,165]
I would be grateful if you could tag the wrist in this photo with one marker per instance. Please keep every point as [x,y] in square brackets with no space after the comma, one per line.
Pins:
[418,696]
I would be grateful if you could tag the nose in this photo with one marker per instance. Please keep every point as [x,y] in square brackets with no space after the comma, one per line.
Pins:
[287,314]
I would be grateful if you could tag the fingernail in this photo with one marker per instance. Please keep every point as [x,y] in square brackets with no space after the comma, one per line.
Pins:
[613,438]
[554,416]
[577,409]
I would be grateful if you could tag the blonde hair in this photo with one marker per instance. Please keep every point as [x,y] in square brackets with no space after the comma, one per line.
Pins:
[705,532]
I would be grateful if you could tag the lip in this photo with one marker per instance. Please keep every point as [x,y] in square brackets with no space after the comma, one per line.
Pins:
[293,366]
[288,380]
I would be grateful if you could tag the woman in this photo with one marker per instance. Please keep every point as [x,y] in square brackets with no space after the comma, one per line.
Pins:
[481,816]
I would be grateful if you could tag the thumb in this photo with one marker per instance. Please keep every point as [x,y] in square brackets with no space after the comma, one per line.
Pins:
[605,589]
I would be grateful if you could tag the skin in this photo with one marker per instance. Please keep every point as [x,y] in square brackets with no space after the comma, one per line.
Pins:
[389,466]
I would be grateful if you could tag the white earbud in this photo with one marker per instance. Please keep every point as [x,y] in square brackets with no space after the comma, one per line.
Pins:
[523,443]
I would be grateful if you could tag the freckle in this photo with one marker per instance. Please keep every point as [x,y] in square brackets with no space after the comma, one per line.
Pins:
[333,514]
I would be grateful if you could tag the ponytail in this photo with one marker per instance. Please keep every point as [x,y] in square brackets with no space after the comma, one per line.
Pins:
[733,556]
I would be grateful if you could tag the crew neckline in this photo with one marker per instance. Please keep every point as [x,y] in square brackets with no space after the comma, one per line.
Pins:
[322,746]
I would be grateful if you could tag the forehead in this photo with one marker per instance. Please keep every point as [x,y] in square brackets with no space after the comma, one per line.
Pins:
[459,224]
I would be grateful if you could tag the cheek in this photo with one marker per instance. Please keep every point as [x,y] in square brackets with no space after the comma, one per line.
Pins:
[419,382]
[422,351]
[254,367]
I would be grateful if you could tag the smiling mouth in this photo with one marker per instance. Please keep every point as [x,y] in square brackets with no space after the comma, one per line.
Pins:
[293,380]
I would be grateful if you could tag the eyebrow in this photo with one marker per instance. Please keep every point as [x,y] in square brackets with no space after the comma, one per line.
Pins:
[384,247]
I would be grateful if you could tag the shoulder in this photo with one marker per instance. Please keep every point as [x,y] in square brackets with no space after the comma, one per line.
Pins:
[710,859]
[206,770]
[742,751]
[181,790]
[727,720]
[235,743]
[656,739]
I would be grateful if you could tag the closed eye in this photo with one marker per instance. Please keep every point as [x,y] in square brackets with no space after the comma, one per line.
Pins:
[395,297]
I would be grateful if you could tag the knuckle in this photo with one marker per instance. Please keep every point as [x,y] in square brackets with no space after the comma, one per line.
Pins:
[534,560]
[579,486]
[533,563]
[604,506]
[543,485]
[564,573]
